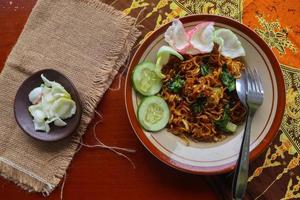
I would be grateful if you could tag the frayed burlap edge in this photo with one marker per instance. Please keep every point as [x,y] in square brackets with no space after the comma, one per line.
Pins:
[33,183]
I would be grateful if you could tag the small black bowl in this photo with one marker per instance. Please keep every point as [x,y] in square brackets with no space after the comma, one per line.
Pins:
[24,118]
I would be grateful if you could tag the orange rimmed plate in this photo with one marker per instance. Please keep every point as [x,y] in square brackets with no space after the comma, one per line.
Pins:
[220,157]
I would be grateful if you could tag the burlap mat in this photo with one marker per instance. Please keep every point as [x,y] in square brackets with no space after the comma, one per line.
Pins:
[87,41]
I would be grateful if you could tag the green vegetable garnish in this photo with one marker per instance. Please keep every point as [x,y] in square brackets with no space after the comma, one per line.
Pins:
[227,79]
[224,124]
[204,70]
[198,106]
[176,84]
[221,123]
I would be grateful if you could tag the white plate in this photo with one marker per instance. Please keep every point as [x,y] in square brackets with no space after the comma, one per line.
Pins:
[220,157]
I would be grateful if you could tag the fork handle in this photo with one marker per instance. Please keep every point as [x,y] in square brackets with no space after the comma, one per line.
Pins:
[240,179]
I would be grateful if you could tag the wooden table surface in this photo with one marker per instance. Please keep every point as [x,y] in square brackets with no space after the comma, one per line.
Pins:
[101,174]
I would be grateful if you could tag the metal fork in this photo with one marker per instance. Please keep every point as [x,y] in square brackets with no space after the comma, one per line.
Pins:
[253,98]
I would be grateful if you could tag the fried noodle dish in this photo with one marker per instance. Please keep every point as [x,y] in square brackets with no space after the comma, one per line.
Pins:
[200,92]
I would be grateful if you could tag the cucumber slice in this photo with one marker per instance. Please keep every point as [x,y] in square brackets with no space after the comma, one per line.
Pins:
[144,79]
[163,56]
[166,51]
[153,113]
[159,66]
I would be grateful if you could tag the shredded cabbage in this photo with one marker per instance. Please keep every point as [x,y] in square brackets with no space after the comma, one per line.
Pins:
[51,103]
